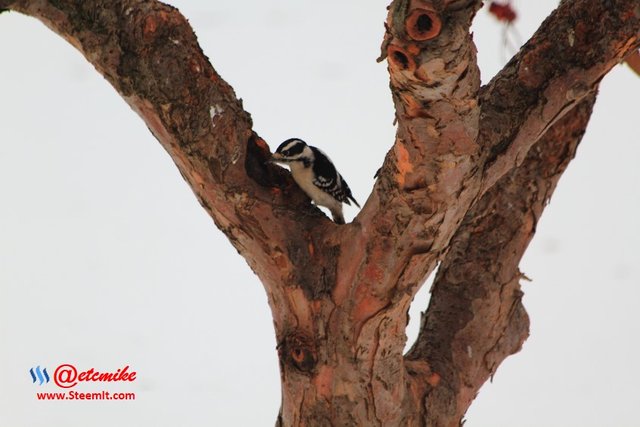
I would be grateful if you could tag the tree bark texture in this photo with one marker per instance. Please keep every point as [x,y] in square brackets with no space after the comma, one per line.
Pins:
[463,185]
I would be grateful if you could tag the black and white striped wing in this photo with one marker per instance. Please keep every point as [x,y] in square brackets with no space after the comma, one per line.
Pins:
[328,179]
[325,175]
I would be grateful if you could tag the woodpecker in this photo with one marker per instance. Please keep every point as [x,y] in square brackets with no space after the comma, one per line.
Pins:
[315,173]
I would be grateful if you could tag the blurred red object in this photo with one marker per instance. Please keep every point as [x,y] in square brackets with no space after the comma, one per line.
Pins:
[502,11]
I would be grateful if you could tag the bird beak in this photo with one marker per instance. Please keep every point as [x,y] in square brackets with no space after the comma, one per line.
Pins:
[275,158]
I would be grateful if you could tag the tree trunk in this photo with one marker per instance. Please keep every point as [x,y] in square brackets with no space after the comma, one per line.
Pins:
[463,185]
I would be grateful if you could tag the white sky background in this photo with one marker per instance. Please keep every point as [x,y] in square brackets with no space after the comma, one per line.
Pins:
[107,259]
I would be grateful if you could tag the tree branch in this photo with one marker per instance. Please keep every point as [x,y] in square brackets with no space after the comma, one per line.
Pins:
[150,55]
[476,318]
[564,61]
[424,186]
[438,166]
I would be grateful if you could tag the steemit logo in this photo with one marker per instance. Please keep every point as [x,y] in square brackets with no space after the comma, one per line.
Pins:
[41,374]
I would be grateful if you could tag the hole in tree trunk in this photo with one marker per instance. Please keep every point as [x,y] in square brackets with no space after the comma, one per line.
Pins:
[424,23]
[401,59]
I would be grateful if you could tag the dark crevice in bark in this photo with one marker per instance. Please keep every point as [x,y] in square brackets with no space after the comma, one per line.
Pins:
[299,352]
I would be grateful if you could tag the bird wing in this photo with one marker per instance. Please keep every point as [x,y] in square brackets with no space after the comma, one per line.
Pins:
[326,176]
[329,180]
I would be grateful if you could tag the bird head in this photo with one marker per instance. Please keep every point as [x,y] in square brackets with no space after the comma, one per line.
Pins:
[292,150]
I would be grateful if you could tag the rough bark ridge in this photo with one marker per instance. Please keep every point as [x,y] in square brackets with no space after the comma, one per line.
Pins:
[464,183]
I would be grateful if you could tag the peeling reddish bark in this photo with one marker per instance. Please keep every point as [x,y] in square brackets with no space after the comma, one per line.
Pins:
[476,318]
[461,184]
